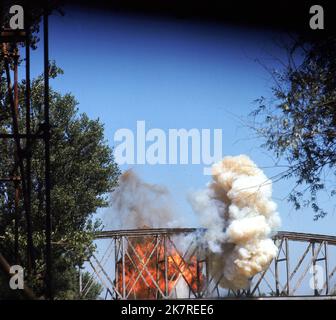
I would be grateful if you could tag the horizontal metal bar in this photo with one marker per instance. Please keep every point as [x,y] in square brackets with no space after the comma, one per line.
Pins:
[293,236]
[12,36]
[144,232]
[296,236]
[10,179]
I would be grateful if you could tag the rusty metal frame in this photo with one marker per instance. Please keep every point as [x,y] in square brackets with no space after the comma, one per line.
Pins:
[20,176]
[278,284]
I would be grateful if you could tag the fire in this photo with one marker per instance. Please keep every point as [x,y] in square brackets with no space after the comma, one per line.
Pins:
[149,274]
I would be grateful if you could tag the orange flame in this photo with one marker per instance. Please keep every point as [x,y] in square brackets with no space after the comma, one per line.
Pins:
[149,275]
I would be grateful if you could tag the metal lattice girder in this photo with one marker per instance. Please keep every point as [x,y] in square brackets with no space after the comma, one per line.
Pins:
[309,270]
[157,261]
[20,173]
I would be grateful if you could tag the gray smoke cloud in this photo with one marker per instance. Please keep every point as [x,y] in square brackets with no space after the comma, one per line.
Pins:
[137,204]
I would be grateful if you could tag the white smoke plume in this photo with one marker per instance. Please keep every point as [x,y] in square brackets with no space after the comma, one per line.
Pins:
[240,218]
[137,204]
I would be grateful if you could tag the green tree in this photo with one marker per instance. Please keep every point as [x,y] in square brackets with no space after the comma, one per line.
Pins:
[83,172]
[299,123]
[92,289]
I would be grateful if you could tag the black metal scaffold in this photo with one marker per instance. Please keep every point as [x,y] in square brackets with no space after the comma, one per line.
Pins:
[24,141]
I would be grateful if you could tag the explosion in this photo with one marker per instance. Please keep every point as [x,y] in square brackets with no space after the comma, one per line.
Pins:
[143,257]
[240,218]
[136,204]
[235,208]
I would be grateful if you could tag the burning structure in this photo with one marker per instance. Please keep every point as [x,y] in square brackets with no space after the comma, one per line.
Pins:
[239,218]
[236,252]
[150,266]
[129,272]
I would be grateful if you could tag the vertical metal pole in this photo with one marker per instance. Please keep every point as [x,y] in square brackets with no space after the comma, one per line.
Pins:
[16,186]
[28,131]
[106,294]
[287,266]
[19,159]
[314,269]
[15,125]
[157,267]
[123,267]
[116,263]
[49,290]
[207,272]
[276,275]
[16,88]
[326,267]
[198,273]
[166,265]
[16,241]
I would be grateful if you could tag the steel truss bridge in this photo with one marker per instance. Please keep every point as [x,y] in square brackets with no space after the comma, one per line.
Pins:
[304,267]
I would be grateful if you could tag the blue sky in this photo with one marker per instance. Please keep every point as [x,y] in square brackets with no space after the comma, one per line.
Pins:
[172,74]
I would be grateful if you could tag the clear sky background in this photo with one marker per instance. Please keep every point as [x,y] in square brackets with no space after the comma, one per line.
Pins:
[172,74]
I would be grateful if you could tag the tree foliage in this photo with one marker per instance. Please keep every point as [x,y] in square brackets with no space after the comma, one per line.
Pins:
[83,171]
[299,123]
